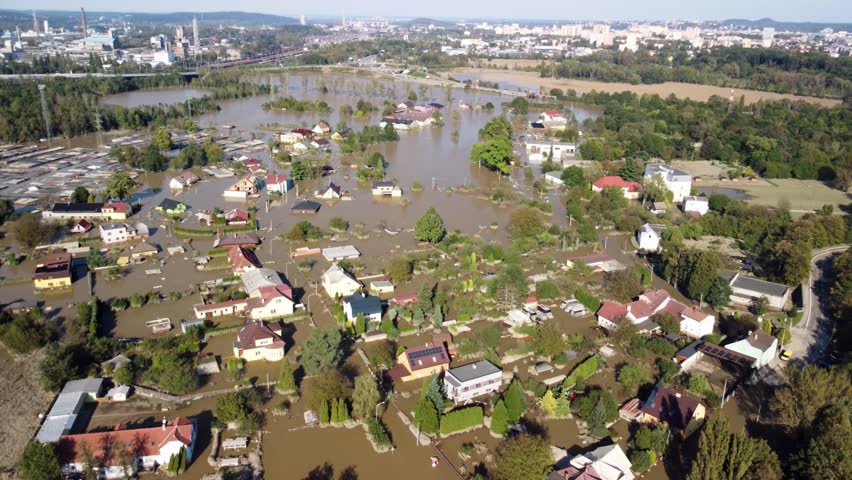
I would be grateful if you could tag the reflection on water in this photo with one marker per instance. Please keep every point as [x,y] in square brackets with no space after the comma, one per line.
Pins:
[732,193]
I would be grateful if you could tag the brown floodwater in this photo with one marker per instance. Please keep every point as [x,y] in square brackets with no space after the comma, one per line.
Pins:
[430,156]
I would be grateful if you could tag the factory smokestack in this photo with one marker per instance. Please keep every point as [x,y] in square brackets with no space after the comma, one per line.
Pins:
[195,43]
[35,23]
[83,20]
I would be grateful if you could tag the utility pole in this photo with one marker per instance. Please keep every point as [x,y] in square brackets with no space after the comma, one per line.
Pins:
[44,112]
[98,127]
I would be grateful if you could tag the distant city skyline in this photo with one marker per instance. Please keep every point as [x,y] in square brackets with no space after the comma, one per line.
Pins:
[827,11]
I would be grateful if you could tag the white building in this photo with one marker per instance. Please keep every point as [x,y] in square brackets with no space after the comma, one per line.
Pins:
[538,151]
[603,463]
[649,236]
[699,205]
[386,188]
[747,289]
[648,307]
[113,233]
[338,282]
[758,345]
[677,181]
[163,57]
[360,304]
[472,380]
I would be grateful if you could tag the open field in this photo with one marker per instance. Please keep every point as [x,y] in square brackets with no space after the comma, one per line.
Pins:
[804,195]
[22,398]
[681,90]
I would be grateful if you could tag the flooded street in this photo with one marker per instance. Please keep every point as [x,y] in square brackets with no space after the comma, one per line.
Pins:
[436,157]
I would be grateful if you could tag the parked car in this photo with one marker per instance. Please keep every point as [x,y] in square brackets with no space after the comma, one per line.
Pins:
[545,312]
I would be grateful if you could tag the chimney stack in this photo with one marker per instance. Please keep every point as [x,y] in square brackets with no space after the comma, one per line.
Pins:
[83,20]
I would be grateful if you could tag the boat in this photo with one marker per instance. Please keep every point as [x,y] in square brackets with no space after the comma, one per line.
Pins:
[392,231]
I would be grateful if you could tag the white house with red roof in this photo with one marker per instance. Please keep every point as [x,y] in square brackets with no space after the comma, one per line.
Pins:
[237,217]
[321,128]
[148,447]
[242,260]
[278,182]
[231,307]
[271,301]
[694,322]
[259,341]
[603,463]
[630,189]
[183,180]
[553,116]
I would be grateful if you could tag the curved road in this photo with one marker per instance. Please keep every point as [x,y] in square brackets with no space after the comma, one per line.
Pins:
[812,337]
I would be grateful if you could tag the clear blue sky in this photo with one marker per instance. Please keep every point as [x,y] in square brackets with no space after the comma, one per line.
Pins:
[784,10]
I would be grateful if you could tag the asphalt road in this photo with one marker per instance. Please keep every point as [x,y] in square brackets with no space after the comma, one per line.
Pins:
[812,337]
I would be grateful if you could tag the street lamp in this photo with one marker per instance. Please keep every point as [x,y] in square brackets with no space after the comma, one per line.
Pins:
[378,405]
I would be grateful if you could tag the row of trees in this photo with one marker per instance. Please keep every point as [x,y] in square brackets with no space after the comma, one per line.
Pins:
[761,69]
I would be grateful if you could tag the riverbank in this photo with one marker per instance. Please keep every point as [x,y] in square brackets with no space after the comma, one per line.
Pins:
[680,90]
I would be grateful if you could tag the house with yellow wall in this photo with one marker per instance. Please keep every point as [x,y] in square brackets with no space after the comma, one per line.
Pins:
[420,362]
[53,271]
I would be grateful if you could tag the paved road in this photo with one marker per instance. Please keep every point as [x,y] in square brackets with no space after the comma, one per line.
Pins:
[812,337]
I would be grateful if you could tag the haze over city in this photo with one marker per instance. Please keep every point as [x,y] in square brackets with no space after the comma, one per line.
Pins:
[792,10]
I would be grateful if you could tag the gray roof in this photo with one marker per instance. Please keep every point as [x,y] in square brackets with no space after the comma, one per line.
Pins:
[255,278]
[66,404]
[759,286]
[54,427]
[689,350]
[666,171]
[86,385]
[363,304]
[471,371]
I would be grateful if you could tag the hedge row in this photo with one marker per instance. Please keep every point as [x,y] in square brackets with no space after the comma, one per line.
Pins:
[582,371]
[193,232]
[588,300]
[461,419]
[377,432]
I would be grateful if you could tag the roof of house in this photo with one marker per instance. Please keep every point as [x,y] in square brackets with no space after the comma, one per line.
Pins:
[360,303]
[652,169]
[170,204]
[553,113]
[236,214]
[333,187]
[268,293]
[276,178]
[472,371]
[671,407]
[186,177]
[216,306]
[105,227]
[302,131]
[123,390]
[760,340]
[85,385]
[84,224]
[248,336]
[336,274]
[759,286]
[616,181]
[696,198]
[306,206]
[53,266]
[655,228]
[429,356]
[257,278]
[405,298]
[594,258]
[399,121]
[119,207]
[145,441]
[612,311]
[241,258]
[76,207]
[236,239]
[383,183]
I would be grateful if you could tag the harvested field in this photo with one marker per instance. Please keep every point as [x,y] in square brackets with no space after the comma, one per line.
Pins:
[681,90]
[22,398]
[804,195]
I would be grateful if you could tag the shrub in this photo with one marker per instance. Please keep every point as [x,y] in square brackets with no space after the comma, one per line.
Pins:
[338,223]
[547,290]
[588,300]
[377,432]
[461,419]
[582,371]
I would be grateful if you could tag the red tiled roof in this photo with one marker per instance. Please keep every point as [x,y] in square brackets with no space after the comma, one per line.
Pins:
[276,178]
[615,181]
[405,299]
[141,441]
[241,258]
[612,311]
[269,292]
[116,207]
[303,131]
[694,313]
[553,113]
[572,473]
[237,214]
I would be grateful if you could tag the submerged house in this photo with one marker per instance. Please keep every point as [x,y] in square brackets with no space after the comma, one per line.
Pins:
[244,188]
[386,188]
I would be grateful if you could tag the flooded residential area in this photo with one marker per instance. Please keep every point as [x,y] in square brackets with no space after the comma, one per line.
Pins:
[346,274]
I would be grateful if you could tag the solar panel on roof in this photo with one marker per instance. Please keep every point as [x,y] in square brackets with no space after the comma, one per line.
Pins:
[426,353]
